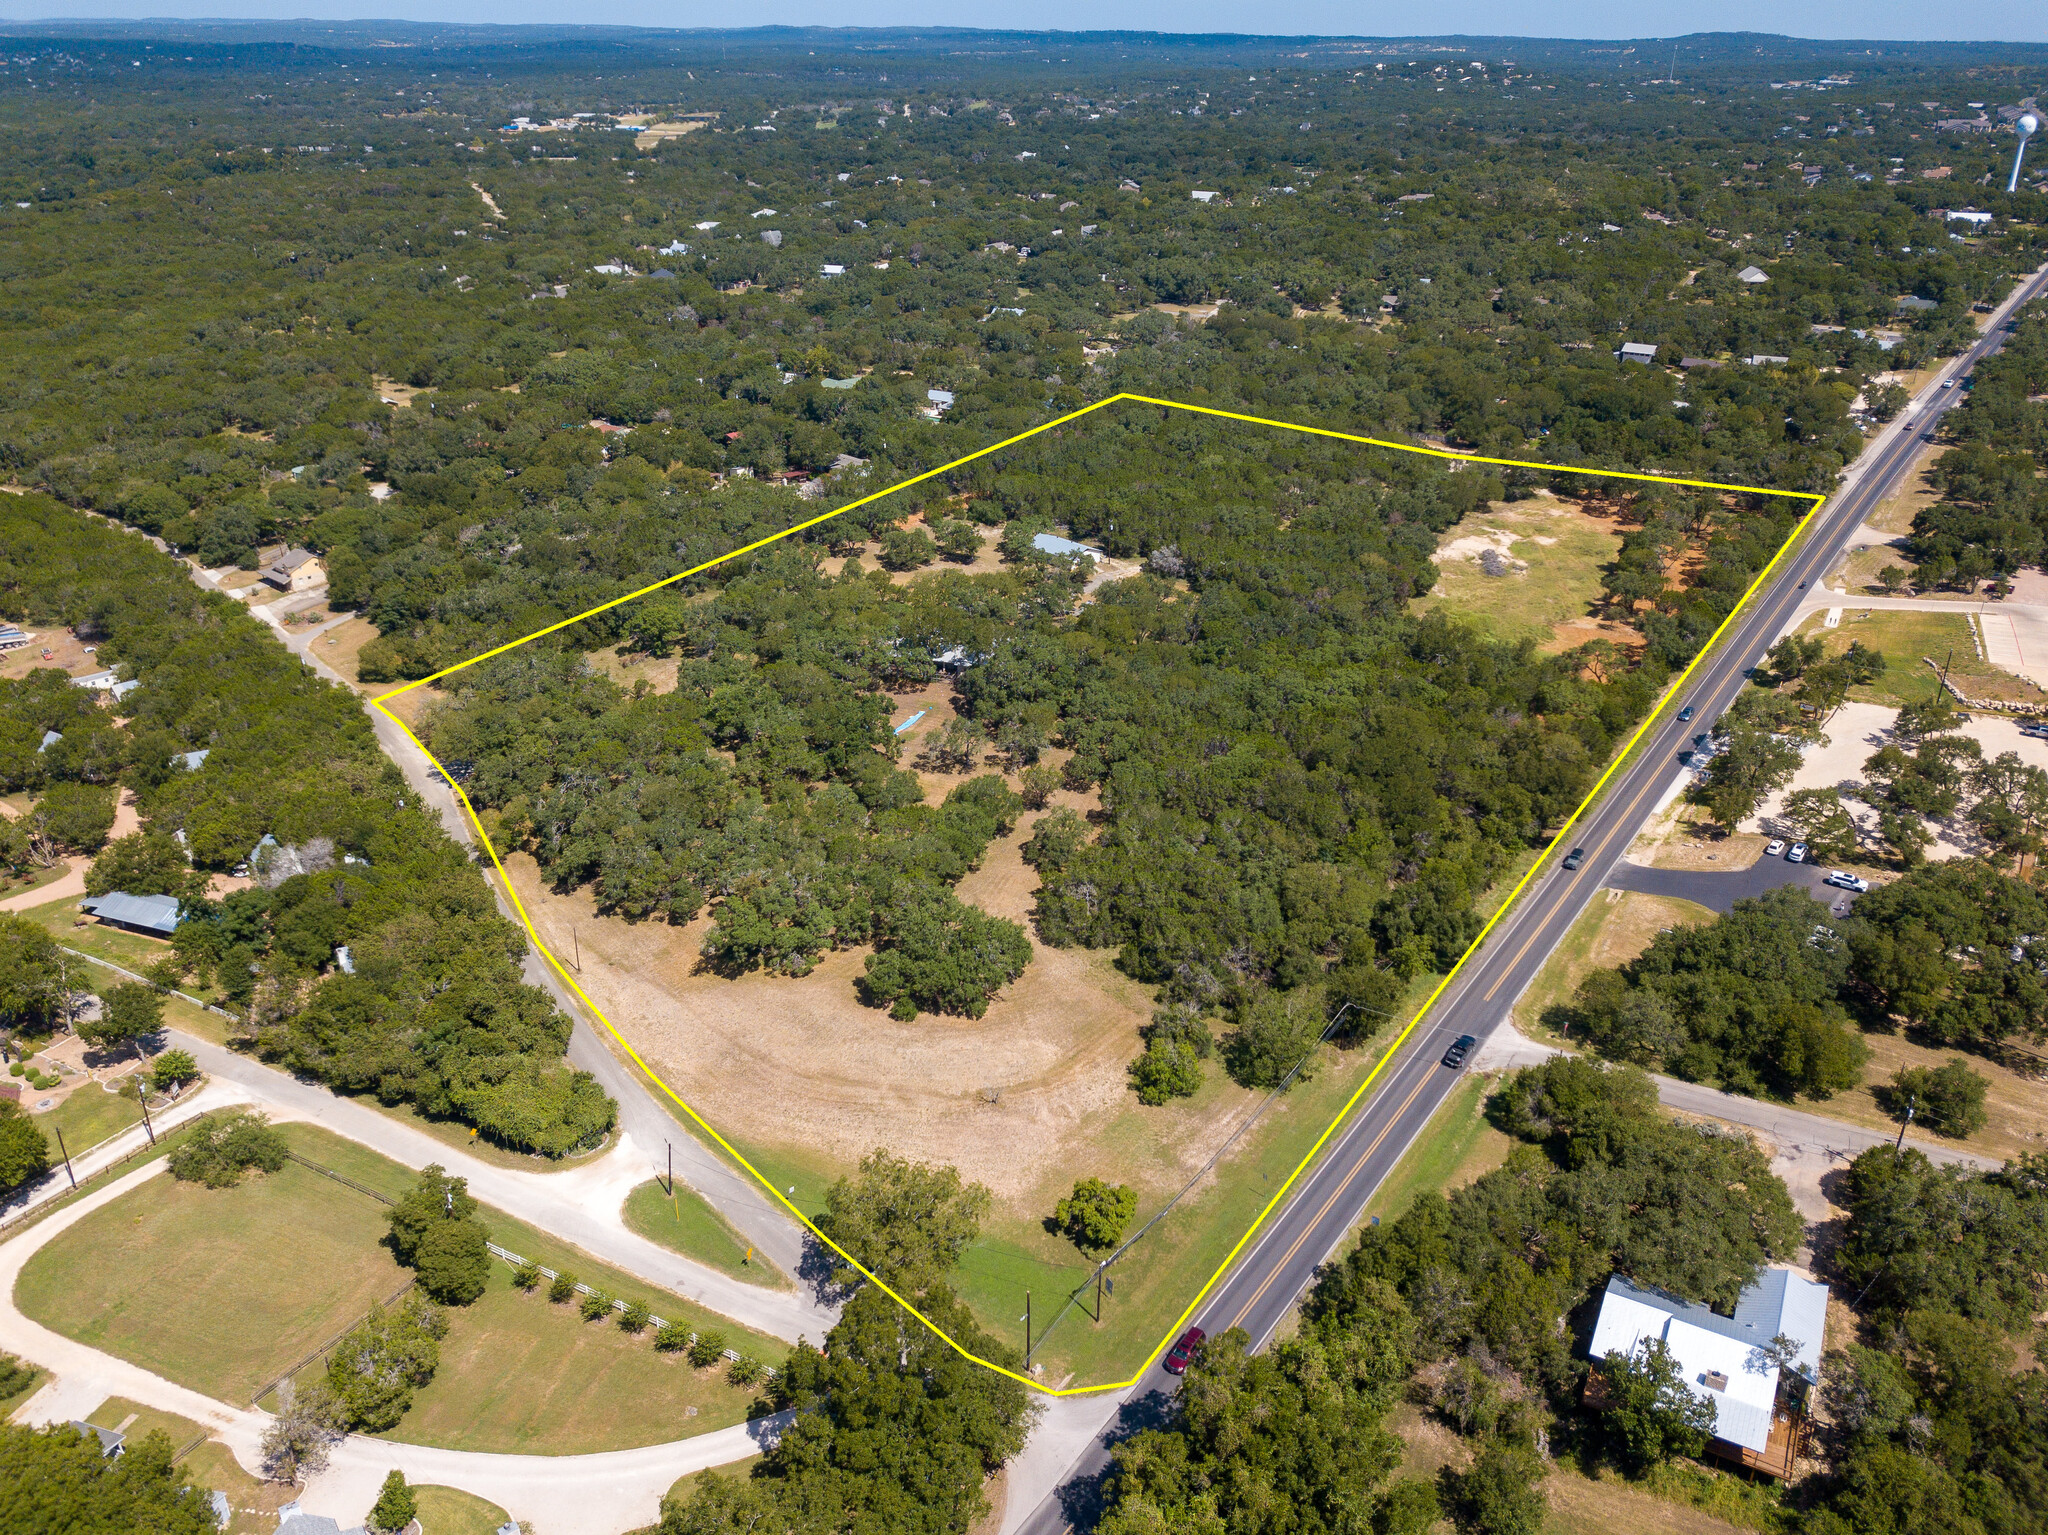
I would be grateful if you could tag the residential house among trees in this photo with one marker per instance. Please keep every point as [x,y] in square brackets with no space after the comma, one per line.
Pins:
[296,570]
[153,916]
[1755,1367]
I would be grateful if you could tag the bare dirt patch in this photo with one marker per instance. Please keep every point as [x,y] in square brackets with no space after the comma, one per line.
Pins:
[392,392]
[342,647]
[67,653]
[632,668]
[1685,837]
[801,1064]
[1551,553]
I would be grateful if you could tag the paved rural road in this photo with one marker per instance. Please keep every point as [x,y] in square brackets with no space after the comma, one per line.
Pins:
[643,1119]
[1280,1263]
[559,1494]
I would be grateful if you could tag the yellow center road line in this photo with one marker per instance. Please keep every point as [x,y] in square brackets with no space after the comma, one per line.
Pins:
[1814,502]
[1335,1194]
[1592,863]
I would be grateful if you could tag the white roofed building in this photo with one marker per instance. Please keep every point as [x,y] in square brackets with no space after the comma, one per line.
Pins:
[1731,1362]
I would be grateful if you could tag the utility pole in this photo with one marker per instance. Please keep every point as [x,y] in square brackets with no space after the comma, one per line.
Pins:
[142,1097]
[1899,1147]
[67,1155]
[671,1168]
[1027,1327]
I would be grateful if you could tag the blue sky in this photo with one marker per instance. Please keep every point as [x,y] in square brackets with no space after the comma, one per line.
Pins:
[1956,20]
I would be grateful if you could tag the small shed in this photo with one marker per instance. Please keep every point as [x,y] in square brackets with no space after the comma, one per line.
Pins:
[296,570]
[153,916]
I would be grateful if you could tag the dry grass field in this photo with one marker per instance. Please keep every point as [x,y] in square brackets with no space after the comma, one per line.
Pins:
[1559,552]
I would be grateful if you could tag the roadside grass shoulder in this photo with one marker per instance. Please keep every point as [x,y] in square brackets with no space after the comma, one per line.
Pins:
[685,1222]
[1458,1147]
[1615,927]
[1150,1287]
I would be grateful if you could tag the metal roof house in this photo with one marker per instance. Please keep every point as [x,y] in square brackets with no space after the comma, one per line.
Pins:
[1052,543]
[153,916]
[1636,351]
[1723,1360]
[293,1520]
[107,681]
[1752,274]
[12,638]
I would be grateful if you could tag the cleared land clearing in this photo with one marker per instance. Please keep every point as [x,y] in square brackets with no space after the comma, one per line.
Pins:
[778,1062]
[292,1257]
[1558,552]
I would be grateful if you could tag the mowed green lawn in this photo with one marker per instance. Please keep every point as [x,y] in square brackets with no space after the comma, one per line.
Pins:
[522,1375]
[219,1289]
[684,1222]
[90,1115]
[449,1511]
[225,1289]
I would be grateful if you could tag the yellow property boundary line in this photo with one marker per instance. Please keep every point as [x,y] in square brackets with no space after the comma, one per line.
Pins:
[1400,1039]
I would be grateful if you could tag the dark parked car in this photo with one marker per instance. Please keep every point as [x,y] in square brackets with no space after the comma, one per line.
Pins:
[1182,1354]
[1460,1048]
[1574,858]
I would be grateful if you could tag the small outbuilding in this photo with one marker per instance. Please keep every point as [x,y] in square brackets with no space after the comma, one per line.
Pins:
[1636,351]
[1065,548]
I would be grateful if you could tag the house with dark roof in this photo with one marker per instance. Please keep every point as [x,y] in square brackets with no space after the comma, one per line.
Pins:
[296,570]
[153,916]
[112,1441]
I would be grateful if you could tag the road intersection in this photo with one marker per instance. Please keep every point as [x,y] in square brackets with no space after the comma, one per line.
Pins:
[1271,1274]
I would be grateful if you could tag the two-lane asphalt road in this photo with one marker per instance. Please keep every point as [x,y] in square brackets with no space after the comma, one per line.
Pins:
[1279,1264]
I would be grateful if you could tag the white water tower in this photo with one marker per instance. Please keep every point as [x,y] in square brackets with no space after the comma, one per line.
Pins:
[2028,125]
